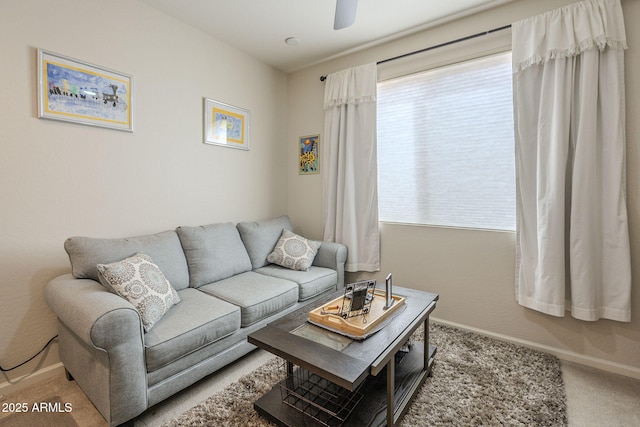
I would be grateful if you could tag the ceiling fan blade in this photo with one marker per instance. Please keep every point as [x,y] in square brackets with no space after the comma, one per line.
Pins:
[345,13]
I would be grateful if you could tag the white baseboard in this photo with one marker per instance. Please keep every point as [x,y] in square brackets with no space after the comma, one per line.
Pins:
[43,374]
[570,356]
[17,384]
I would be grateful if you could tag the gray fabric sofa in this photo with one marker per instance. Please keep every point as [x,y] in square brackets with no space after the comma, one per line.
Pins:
[227,289]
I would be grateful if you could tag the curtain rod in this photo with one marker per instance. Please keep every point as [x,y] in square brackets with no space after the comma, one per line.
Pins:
[426,49]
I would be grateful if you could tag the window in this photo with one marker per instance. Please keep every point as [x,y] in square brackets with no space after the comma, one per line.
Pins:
[446,146]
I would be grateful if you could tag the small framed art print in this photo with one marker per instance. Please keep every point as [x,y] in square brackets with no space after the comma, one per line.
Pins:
[226,125]
[76,91]
[309,154]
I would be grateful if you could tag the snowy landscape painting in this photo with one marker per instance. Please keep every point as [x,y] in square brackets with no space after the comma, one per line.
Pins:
[75,91]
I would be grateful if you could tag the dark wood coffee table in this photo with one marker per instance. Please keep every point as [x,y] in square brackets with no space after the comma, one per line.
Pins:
[332,380]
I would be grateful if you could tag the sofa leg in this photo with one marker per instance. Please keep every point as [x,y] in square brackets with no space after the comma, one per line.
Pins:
[68,375]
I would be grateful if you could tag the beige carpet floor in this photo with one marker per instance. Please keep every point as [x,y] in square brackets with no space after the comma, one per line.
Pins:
[594,397]
[50,412]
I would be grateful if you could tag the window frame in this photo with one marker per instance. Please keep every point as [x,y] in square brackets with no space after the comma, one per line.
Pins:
[451,54]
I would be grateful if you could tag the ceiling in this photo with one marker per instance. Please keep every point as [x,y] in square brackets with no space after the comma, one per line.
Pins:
[260,27]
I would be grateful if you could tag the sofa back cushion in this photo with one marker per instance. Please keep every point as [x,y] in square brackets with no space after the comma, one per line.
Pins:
[214,252]
[85,253]
[261,237]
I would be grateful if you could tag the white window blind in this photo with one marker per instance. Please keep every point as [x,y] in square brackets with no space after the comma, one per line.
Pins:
[446,146]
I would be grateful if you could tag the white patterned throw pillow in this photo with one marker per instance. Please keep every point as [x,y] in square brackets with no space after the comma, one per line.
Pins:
[139,280]
[293,251]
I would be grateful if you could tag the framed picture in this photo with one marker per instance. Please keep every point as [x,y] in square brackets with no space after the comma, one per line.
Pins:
[309,154]
[226,125]
[79,92]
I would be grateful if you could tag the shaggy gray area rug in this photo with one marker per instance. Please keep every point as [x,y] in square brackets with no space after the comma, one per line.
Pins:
[475,381]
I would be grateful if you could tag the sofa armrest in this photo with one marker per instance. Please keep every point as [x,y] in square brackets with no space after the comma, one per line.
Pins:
[103,322]
[332,255]
[82,304]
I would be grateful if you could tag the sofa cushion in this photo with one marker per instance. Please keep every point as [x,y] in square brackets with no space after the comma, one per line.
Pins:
[261,237]
[293,251]
[312,282]
[196,322]
[139,280]
[258,296]
[214,252]
[165,249]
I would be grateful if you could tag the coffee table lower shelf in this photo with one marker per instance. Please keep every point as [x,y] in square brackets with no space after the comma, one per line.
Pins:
[285,405]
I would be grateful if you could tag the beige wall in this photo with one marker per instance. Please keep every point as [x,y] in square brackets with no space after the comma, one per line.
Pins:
[59,179]
[473,271]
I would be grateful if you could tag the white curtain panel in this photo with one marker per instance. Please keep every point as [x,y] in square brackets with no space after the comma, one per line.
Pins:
[569,107]
[350,165]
